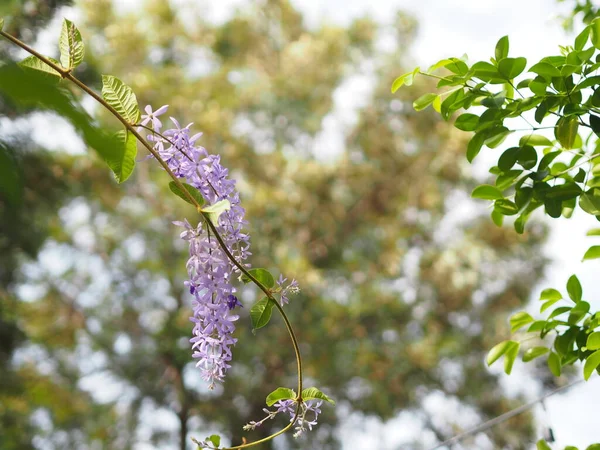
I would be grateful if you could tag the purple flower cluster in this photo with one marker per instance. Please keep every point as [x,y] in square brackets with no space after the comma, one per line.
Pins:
[209,269]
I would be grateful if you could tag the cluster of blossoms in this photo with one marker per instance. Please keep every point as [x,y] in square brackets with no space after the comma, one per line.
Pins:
[307,409]
[210,270]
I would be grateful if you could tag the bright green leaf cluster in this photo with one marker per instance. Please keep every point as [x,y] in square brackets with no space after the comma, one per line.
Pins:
[576,338]
[556,175]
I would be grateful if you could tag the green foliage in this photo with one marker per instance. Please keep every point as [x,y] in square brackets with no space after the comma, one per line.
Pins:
[575,339]
[261,312]
[195,193]
[71,46]
[280,393]
[262,275]
[563,86]
[508,349]
[34,63]
[121,158]
[314,393]
[121,97]
[561,93]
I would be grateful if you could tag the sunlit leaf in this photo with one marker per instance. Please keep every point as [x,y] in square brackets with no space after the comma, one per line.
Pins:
[70,45]
[120,97]
[280,393]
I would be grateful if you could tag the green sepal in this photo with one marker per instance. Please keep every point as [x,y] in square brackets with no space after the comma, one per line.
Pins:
[215,210]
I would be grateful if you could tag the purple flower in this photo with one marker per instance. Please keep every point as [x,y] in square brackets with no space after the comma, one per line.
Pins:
[209,269]
[291,288]
[153,116]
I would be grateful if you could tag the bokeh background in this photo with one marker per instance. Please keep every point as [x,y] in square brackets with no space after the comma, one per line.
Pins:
[405,281]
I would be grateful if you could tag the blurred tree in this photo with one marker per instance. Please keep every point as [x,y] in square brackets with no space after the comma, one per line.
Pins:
[33,184]
[404,288]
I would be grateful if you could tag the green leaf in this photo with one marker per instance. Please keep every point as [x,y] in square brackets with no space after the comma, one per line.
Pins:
[34,63]
[594,232]
[595,124]
[592,253]
[121,157]
[578,312]
[474,146]
[582,39]
[424,101]
[590,203]
[487,72]
[314,393]
[215,210]
[120,96]
[280,393]
[545,69]
[519,320]
[592,362]
[439,64]
[542,445]
[534,352]
[595,29]
[510,68]
[497,218]
[593,341]
[262,275]
[535,140]
[502,47]
[398,82]
[1,23]
[466,122]
[510,356]
[554,364]
[437,104]
[499,350]
[494,101]
[260,313]
[550,294]
[215,439]
[195,193]
[506,207]
[71,46]
[574,288]
[406,79]
[487,192]
[527,157]
[558,311]
[566,131]
[457,66]
[547,304]
[508,158]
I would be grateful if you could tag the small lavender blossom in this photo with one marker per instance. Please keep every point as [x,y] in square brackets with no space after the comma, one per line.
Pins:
[291,288]
[210,270]
[151,116]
